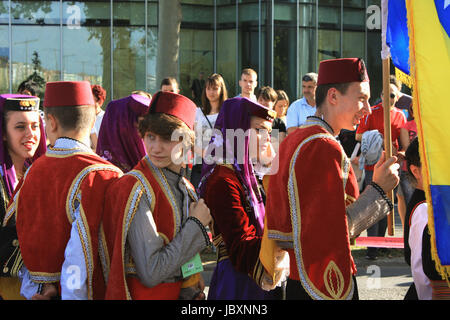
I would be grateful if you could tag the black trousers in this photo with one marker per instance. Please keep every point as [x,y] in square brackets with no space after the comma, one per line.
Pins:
[295,290]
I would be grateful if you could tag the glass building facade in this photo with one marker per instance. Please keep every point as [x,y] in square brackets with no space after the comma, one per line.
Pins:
[115,43]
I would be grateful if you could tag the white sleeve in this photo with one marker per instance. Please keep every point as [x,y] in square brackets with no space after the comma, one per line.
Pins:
[292,116]
[73,272]
[28,288]
[418,223]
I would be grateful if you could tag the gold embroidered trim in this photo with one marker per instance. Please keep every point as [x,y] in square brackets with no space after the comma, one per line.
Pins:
[130,210]
[86,243]
[167,192]
[103,252]
[73,193]
[294,202]
[332,276]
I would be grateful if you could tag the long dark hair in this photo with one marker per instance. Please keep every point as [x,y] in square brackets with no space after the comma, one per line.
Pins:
[214,80]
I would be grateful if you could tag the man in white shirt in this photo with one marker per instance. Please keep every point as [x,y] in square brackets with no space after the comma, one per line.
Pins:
[304,107]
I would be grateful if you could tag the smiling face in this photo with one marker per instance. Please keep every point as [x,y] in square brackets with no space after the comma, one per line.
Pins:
[22,133]
[351,106]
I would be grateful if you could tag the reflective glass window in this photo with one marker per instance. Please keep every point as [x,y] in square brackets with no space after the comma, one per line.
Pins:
[4,46]
[285,48]
[250,43]
[87,43]
[226,46]
[373,63]
[36,44]
[129,47]
[196,45]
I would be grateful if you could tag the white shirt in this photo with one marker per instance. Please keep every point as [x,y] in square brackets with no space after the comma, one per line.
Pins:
[419,221]
[98,122]
[298,112]
[203,131]
[252,97]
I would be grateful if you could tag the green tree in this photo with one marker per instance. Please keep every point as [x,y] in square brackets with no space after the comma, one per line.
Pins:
[35,76]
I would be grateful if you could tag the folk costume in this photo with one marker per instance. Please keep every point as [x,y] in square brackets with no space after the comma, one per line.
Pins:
[428,283]
[76,180]
[148,228]
[118,140]
[231,192]
[313,204]
[416,220]
[10,257]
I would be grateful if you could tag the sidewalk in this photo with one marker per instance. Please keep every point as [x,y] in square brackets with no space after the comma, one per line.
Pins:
[387,278]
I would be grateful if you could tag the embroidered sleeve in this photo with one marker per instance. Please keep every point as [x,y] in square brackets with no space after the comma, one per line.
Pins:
[157,260]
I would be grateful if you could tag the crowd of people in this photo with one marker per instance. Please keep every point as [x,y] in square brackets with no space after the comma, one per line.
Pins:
[118,203]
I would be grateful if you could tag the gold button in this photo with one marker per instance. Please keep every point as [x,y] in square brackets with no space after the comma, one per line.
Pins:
[5,269]
[15,242]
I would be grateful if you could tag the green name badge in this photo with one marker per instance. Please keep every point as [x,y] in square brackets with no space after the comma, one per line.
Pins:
[191,267]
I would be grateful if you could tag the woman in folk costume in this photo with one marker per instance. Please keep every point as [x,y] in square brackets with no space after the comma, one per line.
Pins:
[23,141]
[155,223]
[230,189]
[118,140]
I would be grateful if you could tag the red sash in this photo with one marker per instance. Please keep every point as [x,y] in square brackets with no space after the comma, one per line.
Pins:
[306,204]
[122,199]
[43,218]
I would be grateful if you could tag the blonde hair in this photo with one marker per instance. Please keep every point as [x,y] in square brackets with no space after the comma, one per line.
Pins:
[249,72]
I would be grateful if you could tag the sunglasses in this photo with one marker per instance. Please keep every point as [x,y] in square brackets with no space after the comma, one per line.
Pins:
[307,78]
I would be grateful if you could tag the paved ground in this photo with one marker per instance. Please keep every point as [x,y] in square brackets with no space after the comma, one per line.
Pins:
[383,279]
[387,278]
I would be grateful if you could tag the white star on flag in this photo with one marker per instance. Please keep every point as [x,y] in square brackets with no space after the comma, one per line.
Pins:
[446,4]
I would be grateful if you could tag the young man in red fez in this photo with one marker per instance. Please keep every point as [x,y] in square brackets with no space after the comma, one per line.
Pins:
[313,203]
[58,206]
[155,227]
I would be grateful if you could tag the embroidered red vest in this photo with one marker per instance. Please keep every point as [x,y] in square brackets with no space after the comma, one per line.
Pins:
[122,200]
[306,203]
[44,207]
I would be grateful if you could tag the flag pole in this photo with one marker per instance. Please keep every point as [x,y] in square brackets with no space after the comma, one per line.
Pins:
[388,135]
[385,58]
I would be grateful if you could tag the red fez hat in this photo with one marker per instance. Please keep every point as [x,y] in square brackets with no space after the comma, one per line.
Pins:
[342,71]
[258,110]
[68,93]
[176,105]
